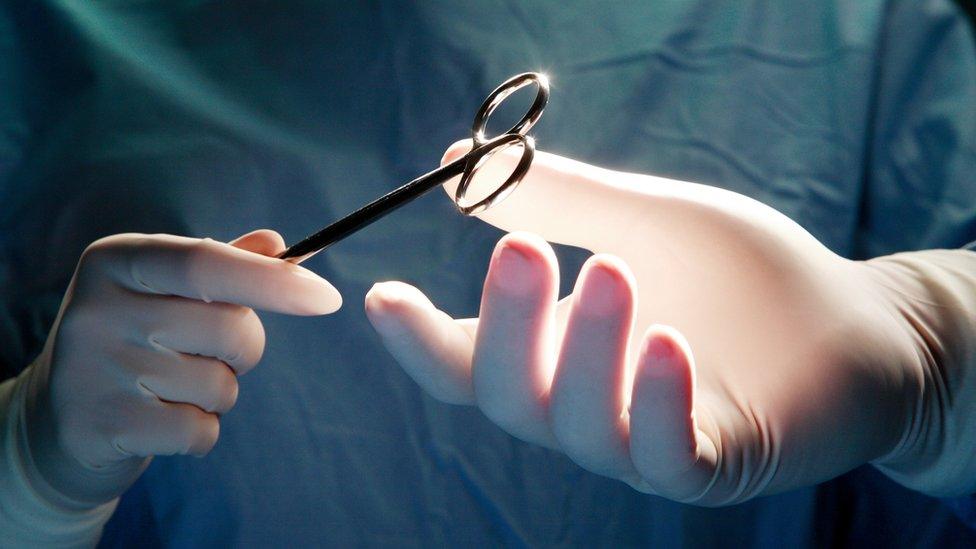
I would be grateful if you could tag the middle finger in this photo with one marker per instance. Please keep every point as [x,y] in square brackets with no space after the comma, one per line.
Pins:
[230,333]
[513,355]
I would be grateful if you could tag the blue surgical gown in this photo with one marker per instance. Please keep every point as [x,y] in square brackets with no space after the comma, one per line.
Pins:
[215,117]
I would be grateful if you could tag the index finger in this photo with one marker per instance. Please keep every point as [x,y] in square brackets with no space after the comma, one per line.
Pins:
[595,205]
[208,270]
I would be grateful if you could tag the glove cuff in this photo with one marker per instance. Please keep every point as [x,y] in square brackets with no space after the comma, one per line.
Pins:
[29,515]
[934,294]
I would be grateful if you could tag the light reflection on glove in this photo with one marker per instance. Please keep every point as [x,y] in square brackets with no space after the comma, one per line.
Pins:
[145,353]
[754,361]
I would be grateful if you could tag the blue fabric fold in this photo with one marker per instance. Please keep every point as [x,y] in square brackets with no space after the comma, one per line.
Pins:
[212,118]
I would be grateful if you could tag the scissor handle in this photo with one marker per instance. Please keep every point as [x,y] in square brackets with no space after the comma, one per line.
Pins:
[466,166]
[500,93]
[484,147]
[475,159]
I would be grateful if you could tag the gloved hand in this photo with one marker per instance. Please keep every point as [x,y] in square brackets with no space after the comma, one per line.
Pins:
[145,353]
[754,361]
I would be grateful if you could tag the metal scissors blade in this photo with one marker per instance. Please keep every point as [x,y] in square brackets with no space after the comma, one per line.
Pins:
[466,166]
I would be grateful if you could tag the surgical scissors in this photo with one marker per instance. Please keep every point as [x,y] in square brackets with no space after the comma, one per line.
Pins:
[466,166]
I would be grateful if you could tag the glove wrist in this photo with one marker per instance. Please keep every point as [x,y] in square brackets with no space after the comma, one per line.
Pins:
[61,477]
[32,512]
[932,296]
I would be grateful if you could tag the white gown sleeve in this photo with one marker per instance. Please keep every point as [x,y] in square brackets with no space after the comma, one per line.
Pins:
[29,515]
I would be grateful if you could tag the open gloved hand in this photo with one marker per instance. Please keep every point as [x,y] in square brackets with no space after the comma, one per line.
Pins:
[711,351]
[145,353]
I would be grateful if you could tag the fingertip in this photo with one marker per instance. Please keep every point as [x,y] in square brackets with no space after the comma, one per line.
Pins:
[606,286]
[431,347]
[313,295]
[528,244]
[393,296]
[456,150]
[261,241]
[233,393]
[612,267]
[333,302]
[674,457]
[523,264]
[665,370]
[664,352]
[387,303]
[207,428]
[663,390]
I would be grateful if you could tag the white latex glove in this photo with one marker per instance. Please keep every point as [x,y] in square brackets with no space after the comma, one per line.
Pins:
[804,364]
[145,353]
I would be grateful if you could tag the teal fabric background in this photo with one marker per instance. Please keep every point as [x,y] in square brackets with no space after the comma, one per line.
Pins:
[212,118]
